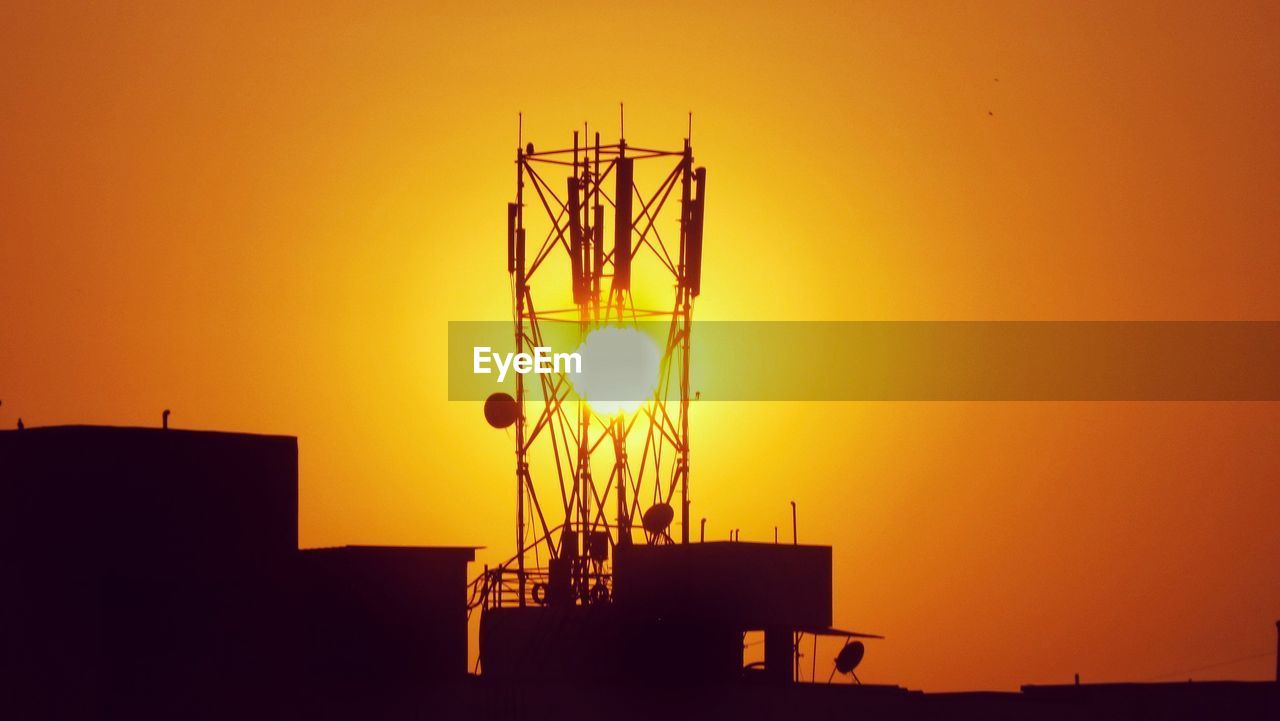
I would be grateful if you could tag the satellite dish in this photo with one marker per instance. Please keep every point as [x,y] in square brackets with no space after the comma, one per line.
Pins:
[658,518]
[849,657]
[500,410]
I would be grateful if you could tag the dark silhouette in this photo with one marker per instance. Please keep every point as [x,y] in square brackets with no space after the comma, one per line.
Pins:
[795,532]
[154,573]
[500,410]
[383,614]
[849,658]
[676,613]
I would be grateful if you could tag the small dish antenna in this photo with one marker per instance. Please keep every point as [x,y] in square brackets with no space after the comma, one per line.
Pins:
[658,519]
[849,658]
[500,410]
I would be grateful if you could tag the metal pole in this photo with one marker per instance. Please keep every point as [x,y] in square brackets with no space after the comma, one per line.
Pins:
[521,451]
[597,232]
[795,654]
[620,473]
[585,484]
[686,210]
[795,537]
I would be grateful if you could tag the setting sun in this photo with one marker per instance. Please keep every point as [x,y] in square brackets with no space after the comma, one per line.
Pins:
[619,370]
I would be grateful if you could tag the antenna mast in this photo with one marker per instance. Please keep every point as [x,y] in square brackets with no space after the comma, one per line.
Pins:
[585,480]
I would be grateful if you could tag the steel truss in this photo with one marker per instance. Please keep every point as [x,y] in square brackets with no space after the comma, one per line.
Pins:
[567,521]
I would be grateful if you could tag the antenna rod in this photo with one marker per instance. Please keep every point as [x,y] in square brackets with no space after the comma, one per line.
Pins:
[795,537]
[685,299]
[522,468]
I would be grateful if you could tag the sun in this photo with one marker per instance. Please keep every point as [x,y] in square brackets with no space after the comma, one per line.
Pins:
[619,370]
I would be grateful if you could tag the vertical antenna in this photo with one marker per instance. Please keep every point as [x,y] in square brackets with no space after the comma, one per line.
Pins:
[522,295]
[795,537]
[519,130]
[690,136]
[684,302]
[622,122]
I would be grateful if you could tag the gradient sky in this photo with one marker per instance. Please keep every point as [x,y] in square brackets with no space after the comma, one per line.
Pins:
[262,215]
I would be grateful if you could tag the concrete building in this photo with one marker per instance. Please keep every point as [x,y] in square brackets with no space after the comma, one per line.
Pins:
[154,571]
[678,614]
[383,614]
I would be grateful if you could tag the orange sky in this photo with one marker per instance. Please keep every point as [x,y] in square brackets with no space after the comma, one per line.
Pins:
[263,218]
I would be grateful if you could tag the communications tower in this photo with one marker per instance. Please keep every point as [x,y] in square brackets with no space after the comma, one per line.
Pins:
[593,228]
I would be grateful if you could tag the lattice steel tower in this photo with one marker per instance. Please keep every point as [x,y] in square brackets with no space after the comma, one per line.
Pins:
[583,478]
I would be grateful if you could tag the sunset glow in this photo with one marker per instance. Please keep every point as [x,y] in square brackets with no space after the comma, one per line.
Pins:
[619,370]
[264,216]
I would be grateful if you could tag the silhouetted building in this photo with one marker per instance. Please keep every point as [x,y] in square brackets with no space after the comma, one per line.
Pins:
[142,562]
[384,614]
[153,572]
[679,612]
[144,498]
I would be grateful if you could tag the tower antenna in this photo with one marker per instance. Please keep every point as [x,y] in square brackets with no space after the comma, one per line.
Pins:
[581,480]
